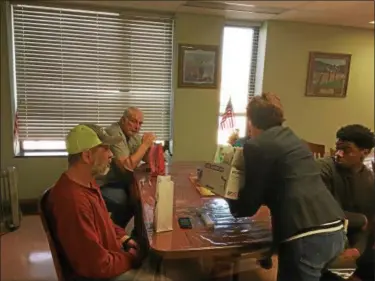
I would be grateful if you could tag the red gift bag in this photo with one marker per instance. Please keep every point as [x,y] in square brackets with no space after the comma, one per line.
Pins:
[156,160]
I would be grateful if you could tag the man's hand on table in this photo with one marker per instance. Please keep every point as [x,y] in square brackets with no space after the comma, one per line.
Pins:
[263,213]
[351,253]
[346,259]
[349,256]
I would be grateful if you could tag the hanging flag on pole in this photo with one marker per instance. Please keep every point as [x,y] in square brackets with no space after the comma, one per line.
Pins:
[227,119]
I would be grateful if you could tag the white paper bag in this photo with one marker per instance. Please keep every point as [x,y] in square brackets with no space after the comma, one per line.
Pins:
[163,212]
[224,154]
[238,161]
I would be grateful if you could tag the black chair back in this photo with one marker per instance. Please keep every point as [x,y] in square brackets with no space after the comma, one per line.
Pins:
[47,220]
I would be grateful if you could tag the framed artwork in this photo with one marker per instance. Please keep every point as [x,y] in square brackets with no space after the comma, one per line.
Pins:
[327,75]
[198,66]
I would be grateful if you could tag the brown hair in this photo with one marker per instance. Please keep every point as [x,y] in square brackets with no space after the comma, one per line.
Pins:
[265,111]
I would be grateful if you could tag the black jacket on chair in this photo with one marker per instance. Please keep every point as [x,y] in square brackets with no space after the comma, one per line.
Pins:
[281,173]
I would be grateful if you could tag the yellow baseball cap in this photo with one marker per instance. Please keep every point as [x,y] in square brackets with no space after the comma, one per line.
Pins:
[86,136]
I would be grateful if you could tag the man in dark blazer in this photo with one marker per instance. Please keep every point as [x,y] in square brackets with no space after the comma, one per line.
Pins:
[280,172]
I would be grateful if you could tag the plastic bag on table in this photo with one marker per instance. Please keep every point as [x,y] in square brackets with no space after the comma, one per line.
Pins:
[256,234]
[227,229]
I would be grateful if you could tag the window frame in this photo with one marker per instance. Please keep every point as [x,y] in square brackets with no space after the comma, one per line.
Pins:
[253,67]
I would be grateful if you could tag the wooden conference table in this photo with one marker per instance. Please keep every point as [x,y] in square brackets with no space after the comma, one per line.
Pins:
[230,237]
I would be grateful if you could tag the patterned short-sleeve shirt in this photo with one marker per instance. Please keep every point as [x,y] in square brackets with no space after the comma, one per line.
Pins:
[127,147]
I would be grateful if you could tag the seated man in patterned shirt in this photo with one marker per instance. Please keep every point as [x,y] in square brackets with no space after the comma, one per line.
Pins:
[127,154]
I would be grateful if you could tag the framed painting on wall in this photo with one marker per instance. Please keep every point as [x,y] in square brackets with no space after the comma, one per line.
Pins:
[327,75]
[198,66]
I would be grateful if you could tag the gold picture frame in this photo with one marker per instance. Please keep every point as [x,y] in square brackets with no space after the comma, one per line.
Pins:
[198,66]
[328,75]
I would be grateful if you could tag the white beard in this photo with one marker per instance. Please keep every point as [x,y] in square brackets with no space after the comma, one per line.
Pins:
[105,171]
[102,172]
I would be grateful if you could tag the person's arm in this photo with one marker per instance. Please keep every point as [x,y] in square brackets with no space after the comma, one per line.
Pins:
[81,243]
[355,220]
[120,232]
[145,157]
[358,240]
[250,197]
[326,173]
[121,152]
[122,158]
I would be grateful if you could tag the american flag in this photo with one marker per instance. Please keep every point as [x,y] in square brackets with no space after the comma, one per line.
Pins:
[227,119]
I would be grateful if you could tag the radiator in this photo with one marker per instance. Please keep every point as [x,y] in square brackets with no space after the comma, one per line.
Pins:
[10,215]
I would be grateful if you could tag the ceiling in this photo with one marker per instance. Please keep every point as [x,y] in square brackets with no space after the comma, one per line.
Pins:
[343,13]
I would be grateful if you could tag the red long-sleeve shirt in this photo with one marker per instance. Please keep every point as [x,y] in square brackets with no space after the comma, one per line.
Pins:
[88,237]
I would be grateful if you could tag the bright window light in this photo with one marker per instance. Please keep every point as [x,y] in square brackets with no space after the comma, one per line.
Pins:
[43,145]
[50,147]
[240,123]
[40,257]
[236,62]
[45,153]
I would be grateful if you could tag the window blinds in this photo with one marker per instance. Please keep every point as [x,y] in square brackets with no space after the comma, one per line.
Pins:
[74,66]
[254,59]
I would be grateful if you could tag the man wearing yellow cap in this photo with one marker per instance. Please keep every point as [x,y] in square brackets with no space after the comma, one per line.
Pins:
[92,245]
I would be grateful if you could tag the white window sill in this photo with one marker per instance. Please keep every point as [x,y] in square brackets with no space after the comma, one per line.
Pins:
[42,154]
